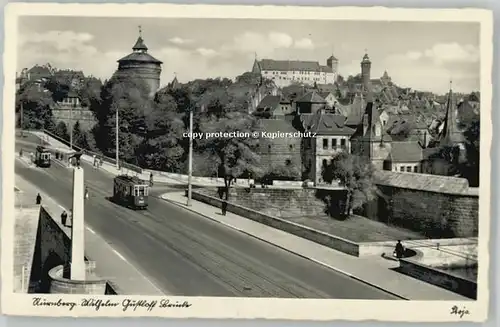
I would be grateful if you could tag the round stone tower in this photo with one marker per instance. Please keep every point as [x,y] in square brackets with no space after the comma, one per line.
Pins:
[366,66]
[140,64]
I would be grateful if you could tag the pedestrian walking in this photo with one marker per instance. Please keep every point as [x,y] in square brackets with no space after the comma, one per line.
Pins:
[151,179]
[38,199]
[21,153]
[64,217]
[399,250]
[86,193]
[224,207]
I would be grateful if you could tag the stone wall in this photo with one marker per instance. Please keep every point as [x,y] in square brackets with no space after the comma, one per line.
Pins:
[277,202]
[52,249]
[433,210]
[439,278]
[436,215]
[311,234]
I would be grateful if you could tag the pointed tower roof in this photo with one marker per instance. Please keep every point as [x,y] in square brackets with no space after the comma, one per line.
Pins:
[140,45]
[385,75]
[333,58]
[450,133]
[366,59]
[140,53]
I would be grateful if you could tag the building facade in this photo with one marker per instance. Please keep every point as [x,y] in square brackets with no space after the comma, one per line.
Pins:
[141,65]
[331,137]
[70,110]
[287,72]
[370,139]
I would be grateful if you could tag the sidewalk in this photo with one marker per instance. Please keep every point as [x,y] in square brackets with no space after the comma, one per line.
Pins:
[110,264]
[375,272]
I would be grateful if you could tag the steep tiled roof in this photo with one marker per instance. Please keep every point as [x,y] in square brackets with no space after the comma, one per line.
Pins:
[326,87]
[409,151]
[140,45]
[141,57]
[373,119]
[72,94]
[422,182]
[269,101]
[39,70]
[326,124]
[312,97]
[324,94]
[292,65]
[276,125]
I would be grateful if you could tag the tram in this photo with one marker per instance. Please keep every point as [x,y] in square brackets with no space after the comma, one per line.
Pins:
[131,192]
[42,157]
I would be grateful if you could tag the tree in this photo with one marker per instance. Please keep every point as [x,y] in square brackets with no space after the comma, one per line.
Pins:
[90,93]
[249,78]
[82,138]
[163,146]
[36,105]
[61,130]
[233,156]
[130,97]
[284,171]
[355,173]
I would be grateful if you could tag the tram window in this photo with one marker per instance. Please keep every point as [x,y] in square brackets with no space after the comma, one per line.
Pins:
[142,191]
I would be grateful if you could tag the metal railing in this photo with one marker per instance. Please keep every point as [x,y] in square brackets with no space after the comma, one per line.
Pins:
[104,158]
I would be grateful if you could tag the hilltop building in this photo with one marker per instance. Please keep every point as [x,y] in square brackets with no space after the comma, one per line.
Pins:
[140,64]
[287,72]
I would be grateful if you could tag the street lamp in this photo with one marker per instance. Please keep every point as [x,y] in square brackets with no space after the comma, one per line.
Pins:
[73,105]
[117,144]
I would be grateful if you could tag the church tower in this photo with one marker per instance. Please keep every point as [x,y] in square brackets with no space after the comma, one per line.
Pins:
[140,64]
[333,63]
[366,66]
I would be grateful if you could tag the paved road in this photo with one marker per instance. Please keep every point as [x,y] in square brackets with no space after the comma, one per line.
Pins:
[188,255]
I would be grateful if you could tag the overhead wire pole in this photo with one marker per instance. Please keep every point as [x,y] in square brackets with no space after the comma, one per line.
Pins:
[117,144]
[22,119]
[71,127]
[190,161]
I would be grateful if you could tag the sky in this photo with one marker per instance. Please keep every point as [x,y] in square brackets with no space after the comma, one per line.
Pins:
[421,55]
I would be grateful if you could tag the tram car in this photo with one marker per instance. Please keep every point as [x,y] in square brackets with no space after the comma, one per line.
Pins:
[42,157]
[131,192]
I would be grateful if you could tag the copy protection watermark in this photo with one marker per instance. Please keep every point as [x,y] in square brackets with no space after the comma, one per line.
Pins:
[254,135]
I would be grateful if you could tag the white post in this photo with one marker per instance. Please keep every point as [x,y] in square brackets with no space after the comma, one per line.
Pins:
[78,227]
[22,278]
[190,168]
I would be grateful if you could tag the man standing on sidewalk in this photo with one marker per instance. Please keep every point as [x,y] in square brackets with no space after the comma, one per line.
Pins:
[64,217]
[38,199]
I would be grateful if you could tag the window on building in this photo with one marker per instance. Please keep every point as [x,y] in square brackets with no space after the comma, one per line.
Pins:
[343,144]
[291,146]
[288,162]
[334,143]
[415,169]
[325,144]
[325,163]
[402,168]
[269,146]
[408,169]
